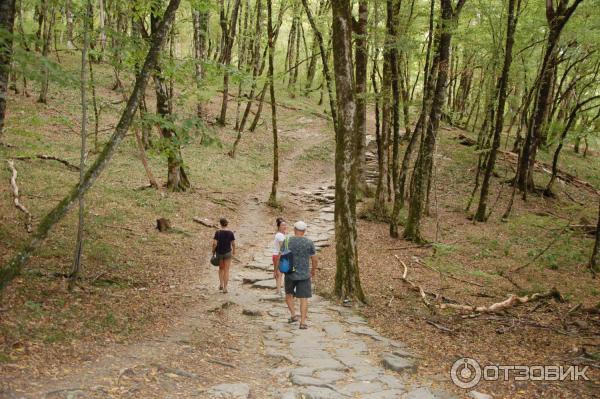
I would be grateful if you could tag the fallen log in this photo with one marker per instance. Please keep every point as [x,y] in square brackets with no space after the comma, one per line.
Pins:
[16,197]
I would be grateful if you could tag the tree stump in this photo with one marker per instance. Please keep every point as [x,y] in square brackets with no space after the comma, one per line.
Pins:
[163,224]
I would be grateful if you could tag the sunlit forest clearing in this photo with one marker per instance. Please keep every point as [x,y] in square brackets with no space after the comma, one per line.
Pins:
[444,154]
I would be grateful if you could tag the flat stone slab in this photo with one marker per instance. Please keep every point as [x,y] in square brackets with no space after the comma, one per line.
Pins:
[325,363]
[391,382]
[271,298]
[479,395]
[397,363]
[387,394]
[328,217]
[251,278]
[358,389]
[365,331]
[320,393]
[259,266]
[426,393]
[333,330]
[366,372]
[230,391]
[264,284]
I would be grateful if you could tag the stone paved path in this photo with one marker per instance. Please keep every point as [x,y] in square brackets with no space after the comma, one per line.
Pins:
[338,356]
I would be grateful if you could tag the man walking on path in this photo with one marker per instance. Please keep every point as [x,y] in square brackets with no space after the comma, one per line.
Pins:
[298,282]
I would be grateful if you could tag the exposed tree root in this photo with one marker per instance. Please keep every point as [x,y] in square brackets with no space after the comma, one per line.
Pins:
[16,197]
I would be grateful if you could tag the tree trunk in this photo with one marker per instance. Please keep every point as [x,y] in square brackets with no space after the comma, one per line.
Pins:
[361,61]
[82,154]
[102,26]
[347,279]
[424,162]
[324,57]
[557,19]
[594,259]
[228,39]
[7,20]
[392,21]
[177,179]
[69,22]
[14,266]
[200,19]
[271,35]
[47,36]
[256,70]
[481,214]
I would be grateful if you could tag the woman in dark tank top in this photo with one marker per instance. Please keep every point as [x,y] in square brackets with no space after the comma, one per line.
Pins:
[223,247]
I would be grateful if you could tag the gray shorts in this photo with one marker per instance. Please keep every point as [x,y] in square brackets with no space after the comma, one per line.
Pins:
[298,288]
[224,256]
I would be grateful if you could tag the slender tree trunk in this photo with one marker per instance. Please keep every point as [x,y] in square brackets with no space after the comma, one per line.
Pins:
[75,270]
[347,279]
[557,19]
[271,35]
[324,59]
[594,259]
[570,122]
[69,22]
[102,26]
[260,106]
[256,70]
[47,35]
[312,65]
[481,213]
[228,39]
[392,21]
[424,162]
[7,20]
[200,19]
[429,73]
[14,266]
[361,61]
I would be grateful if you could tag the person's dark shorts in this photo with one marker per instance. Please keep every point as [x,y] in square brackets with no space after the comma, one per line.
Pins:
[298,288]
[224,256]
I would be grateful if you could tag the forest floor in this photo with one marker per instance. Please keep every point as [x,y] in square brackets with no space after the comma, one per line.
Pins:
[146,319]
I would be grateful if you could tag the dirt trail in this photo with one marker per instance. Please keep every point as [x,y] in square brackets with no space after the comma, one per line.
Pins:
[240,345]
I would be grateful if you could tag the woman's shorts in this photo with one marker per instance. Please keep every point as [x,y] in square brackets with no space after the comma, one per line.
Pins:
[224,256]
[275,258]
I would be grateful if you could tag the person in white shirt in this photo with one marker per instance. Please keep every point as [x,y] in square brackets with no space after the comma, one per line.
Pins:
[277,243]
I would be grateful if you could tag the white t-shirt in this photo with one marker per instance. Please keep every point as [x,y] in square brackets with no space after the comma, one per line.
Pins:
[279,239]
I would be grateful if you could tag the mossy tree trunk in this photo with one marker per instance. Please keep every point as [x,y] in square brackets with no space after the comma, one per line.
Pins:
[347,279]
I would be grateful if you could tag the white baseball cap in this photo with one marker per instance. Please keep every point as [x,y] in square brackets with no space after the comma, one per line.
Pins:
[300,225]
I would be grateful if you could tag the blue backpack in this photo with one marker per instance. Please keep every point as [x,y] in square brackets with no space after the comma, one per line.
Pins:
[286,259]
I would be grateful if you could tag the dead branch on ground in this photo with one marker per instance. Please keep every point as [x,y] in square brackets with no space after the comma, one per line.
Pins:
[45,157]
[16,197]
[204,222]
[512,301]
